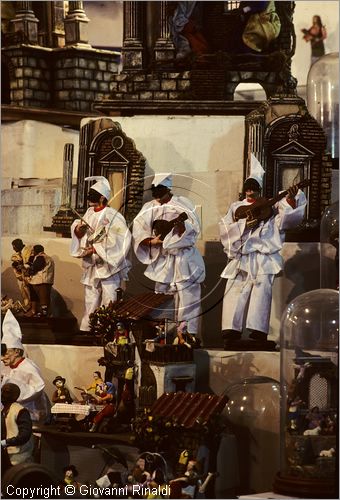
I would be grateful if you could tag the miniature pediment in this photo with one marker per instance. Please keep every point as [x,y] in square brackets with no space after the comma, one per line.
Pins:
[114,156]
[293,148]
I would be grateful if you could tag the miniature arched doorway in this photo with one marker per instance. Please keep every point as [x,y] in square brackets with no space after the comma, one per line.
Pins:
[112,164]
[106,150]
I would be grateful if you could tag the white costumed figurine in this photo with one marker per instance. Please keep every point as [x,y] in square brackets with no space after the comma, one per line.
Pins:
[253,248]
[23,372]
[164,237]
[102,240]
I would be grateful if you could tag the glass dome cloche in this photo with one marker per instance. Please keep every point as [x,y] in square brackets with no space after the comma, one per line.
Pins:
[309,396]
[253,411]
[323,98]
[329,247]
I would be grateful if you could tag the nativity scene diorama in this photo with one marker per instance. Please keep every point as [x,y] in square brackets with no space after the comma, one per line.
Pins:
[164,276]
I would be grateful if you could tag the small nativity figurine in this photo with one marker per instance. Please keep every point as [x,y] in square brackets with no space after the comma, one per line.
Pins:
[61,394]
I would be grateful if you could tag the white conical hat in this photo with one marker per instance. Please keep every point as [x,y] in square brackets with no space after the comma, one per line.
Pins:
[102,185]
[11,332]
[163,179]
[256,170]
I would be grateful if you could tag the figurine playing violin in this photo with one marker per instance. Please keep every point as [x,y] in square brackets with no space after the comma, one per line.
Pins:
[252,234]
[102,240]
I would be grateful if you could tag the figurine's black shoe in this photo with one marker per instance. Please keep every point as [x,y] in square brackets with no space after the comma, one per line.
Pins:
[231,335]
[257,335]
[231,339]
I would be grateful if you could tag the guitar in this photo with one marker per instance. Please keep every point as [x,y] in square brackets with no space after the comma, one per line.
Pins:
[261,209]
[163,227]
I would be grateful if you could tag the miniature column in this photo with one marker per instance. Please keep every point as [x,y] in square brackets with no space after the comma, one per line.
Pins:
[76,25]
[26,22]
[133,52]
[57,20]
[62,220]
[66,190]
[164,47]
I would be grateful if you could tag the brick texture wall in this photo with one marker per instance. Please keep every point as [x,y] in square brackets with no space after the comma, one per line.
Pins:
[70,79]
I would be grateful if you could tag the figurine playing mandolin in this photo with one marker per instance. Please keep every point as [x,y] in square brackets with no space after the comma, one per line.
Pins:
[262,208]
[252,234]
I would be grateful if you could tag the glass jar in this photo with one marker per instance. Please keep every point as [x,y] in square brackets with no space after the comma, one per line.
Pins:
[309,396]
[329,247]
[253,410]
[323,98]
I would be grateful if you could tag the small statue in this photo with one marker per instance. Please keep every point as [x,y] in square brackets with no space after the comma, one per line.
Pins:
[62,394]
[71,473]
[16,429]
[88,393]
[96,383]
[185,21]
[329,426]
[316,35]
[160,338]
[106,396]
[294,413]
[252,267]
[121,335]
[327,453]
[185,486]
[20,260]
[314,418]
[40,278]
[185,338]
[126,406]
[169,259]
[22,371]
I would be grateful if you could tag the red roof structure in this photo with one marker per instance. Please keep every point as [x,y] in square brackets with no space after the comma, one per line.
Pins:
[140,306]
[188,408]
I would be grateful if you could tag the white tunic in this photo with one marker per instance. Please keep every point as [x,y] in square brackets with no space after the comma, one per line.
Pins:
[254,261]
[257,251]
[177,260]
[112,251]
[28,378]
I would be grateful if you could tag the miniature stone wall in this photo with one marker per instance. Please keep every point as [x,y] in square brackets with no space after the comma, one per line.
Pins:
[82,76]
[31,84]
[67,78]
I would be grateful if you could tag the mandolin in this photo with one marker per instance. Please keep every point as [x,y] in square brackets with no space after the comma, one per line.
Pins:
[261,209]
[163,227]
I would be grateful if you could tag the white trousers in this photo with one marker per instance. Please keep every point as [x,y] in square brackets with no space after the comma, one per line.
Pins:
[241,291]
[187,302]
[99,296]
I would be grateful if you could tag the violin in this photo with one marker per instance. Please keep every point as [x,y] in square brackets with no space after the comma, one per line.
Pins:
[96,235]
[261,209]
[163,227]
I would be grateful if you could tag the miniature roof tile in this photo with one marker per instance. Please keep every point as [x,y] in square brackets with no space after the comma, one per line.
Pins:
[140,306]
[189,408]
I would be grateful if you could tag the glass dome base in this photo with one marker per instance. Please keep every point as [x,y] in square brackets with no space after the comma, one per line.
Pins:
[305,488]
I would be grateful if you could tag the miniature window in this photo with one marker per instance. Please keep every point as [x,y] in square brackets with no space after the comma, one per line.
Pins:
[228,6]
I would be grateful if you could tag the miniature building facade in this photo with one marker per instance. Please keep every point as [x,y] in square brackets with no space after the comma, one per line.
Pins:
[291,146]
[149,72]
[47,60]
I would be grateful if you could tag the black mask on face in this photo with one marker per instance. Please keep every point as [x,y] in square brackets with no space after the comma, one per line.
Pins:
[252,185]
[159,191]
[93,196]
